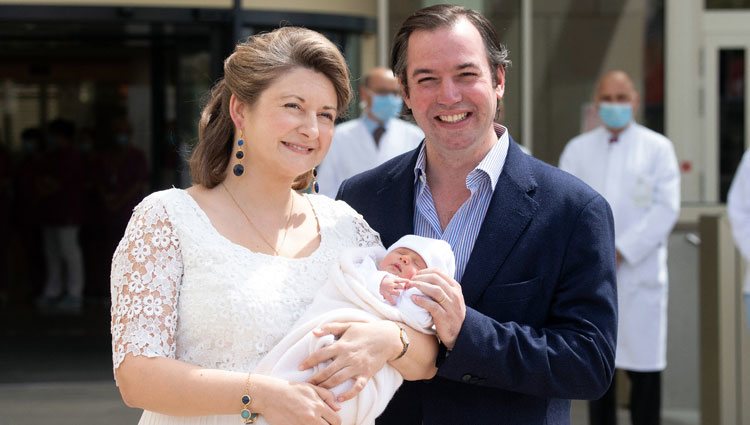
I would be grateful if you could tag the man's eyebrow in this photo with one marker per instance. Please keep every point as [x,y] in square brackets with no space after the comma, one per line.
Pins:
[421,71]
[467,65]
[460,67]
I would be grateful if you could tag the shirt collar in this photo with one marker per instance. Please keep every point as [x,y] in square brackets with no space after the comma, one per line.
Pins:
[492,164]
[623,134]
[371,124]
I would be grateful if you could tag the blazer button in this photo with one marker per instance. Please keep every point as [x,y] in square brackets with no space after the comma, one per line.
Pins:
[467,378]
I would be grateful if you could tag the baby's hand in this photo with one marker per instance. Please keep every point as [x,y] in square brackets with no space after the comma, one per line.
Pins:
[391,287]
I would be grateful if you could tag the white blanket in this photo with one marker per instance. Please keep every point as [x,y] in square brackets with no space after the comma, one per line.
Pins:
[345,297]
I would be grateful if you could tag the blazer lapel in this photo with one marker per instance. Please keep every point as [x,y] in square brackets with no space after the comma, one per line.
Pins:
[508,215]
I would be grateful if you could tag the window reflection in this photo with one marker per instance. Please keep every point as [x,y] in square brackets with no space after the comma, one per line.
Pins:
[731,115]
[727,4]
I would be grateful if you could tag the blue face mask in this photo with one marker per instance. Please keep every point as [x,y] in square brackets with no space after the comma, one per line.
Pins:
[385,106]
[615,115]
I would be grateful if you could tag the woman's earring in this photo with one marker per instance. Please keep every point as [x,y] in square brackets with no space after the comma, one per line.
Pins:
[239,168]
[315,186]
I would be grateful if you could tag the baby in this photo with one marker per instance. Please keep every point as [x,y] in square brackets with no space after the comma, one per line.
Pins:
[366,284]
[401,262]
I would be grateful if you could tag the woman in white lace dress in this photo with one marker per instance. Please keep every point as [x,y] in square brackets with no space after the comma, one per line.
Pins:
[207,280]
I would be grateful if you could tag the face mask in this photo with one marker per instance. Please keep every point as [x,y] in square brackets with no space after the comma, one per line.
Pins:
[386,106]
[615,115]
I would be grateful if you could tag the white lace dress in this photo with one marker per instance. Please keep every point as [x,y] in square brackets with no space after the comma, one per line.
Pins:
[182,290]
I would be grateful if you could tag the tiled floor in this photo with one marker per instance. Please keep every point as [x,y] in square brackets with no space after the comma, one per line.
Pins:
[83,403]
[67,403]
[58,370]
[579,416]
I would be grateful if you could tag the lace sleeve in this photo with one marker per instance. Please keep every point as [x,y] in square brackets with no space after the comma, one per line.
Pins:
[366,236]
[349,219]
[146,273]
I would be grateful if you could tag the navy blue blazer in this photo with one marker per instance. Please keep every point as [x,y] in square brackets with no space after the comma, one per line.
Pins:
[541,317]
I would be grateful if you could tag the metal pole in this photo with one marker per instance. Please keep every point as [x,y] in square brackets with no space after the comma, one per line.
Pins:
[236,21]
[383,34]
[527,75]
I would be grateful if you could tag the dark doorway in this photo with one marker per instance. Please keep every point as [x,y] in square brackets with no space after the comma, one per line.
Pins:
[95,113]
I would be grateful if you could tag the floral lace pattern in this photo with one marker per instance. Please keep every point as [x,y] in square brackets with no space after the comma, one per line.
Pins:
[182,290]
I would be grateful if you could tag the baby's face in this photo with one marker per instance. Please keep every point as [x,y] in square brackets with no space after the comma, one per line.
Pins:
[402,262]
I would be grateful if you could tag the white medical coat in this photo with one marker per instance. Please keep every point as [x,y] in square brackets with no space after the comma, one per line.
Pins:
[353,150]
[738,208]
[639,177]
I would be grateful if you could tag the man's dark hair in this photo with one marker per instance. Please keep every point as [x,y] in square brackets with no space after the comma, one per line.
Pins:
[439,16]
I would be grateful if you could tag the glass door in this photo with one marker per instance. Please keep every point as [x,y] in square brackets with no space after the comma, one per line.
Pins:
[726,59]
[92,117]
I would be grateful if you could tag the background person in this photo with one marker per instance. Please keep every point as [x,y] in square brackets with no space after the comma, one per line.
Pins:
[375,137]
[532,322]
[636,170]
[60,185]
[6,190]
[207,280]
[119,177]
[738,208]
[27,244]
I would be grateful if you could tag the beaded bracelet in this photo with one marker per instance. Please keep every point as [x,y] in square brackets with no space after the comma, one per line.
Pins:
[247,416]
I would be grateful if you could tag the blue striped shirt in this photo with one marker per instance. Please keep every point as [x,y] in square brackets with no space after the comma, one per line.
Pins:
[463,228]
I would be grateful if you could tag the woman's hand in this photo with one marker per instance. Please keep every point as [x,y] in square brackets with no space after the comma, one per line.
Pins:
[287,402]
[360,351]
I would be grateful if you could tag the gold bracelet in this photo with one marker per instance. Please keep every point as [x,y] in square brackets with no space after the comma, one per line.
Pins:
[247,416]
[404,341]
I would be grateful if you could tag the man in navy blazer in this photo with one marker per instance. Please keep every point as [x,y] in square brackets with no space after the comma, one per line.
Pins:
[532,323]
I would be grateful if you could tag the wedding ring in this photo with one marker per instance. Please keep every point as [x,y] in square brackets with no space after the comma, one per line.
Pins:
[442,300]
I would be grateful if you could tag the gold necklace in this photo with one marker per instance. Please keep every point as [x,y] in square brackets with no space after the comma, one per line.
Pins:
[286,228]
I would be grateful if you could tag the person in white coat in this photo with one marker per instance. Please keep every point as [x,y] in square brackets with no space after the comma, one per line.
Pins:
[738,208]
[375,137]
[636,170]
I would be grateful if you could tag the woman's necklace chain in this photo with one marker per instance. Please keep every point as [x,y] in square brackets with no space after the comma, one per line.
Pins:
[286,228]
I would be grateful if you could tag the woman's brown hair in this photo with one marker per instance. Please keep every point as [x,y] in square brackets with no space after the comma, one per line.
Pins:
[255,64]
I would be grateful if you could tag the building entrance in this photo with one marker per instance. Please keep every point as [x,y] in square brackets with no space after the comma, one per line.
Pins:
[92,117]
[726,58]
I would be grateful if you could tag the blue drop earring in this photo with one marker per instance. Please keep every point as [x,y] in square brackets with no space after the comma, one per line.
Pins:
[239,168]
[315,186]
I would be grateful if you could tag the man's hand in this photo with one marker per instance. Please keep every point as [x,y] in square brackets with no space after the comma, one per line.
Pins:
[443,299]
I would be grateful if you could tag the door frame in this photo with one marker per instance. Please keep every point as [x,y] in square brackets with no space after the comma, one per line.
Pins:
[726,30]
[722,30]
